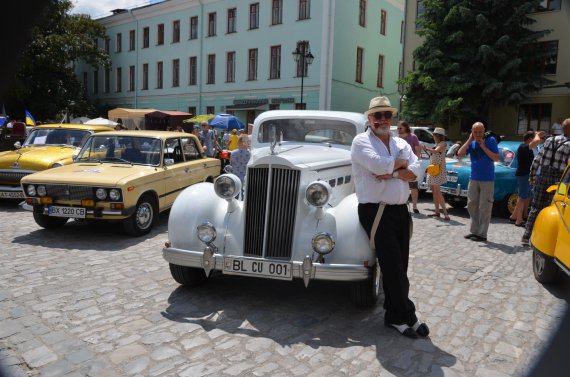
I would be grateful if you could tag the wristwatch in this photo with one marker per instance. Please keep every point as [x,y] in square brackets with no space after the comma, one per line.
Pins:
[395,174]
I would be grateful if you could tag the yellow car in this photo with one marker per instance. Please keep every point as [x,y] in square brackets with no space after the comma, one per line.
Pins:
[46,147]
[550,238]
[125,176]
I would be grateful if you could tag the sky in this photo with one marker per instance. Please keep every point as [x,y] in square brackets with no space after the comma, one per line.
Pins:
[102,8]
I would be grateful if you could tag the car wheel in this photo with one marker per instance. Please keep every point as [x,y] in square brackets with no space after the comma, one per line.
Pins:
[457,204]
[365,293]
[543,266]
[188,276]
[142,220]
[509,204]
[49,222]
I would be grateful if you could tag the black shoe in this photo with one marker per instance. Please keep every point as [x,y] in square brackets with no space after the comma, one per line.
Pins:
[416,210]
[479,239]
[469,236]
[421,328]
[524,241]
[405,330]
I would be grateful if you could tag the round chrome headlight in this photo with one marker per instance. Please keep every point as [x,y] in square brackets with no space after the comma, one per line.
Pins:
[41,190]
[227,186]
[101,193]
[56,164]
[115,194]
[206,232]
[318,193]
[31,190]
[322,243]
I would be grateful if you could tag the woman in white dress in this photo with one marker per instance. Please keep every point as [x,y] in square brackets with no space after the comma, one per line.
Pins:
[437,157]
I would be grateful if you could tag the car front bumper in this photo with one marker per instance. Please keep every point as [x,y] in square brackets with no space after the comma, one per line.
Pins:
[11,192]
[305,269]
[90,213]
[454,191]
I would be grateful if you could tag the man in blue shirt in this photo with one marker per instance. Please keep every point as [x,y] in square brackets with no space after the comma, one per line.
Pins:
[483,153]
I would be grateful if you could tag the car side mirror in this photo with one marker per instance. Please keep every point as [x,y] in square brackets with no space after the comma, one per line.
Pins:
[168,161]
[17,145]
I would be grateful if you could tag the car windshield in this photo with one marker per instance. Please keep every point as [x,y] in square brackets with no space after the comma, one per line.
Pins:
[307,131]
[122,149]
[57,136]
[506,156]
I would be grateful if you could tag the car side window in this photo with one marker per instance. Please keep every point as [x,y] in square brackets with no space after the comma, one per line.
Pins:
[564,184]
[424,136]
[173,151]
[189,148]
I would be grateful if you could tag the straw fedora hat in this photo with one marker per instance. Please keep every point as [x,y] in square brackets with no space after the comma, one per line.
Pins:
[439,131]
[380,104]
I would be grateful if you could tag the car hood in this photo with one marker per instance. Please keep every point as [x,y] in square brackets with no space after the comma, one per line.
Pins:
[35,158]
[461,166]
[90,174]
[311,157]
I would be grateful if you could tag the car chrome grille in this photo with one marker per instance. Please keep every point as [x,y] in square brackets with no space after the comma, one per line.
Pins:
[69,192]
[271,205]
[14,176]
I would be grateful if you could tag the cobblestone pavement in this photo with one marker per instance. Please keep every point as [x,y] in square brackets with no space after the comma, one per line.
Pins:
[86,300]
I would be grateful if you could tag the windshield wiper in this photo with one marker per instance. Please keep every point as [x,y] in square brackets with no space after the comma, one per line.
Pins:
[117,159]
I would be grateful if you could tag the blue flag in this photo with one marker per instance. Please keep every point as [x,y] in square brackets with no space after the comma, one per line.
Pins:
[30,121]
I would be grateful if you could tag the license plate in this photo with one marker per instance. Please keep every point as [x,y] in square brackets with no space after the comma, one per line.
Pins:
[451,178]
[12,195]
[258,267]
[74,212]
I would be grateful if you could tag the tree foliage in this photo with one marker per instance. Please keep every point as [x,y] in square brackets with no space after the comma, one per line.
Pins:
[45,82]
[474,56]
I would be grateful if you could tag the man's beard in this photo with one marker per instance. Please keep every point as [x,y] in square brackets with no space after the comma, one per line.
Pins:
[380,131]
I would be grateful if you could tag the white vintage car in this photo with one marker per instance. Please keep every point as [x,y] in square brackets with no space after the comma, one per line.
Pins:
[298,219]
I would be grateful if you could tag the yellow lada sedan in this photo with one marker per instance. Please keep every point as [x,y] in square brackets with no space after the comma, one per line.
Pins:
[46,147]
[550,238]
[126,176]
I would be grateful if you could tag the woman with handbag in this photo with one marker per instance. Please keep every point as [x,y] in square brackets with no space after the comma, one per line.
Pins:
[437,173]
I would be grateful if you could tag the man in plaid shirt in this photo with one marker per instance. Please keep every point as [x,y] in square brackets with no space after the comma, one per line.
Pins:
[546,170]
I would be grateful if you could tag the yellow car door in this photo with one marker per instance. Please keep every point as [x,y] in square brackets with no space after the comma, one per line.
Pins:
[562,251]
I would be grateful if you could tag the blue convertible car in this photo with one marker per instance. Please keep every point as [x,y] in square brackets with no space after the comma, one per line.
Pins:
[458,171]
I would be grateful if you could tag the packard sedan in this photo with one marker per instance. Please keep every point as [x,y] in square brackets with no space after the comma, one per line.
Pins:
[46,147]
[298,219]
[122,176]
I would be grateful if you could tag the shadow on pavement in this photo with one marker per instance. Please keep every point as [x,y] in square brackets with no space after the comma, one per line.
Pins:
[289,314]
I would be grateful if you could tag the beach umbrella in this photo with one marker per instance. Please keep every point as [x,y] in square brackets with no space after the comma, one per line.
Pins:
[227,121]
[102,122]
[199,118]
[80,120]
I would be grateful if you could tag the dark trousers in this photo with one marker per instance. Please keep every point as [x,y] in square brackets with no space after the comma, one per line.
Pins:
[393,250]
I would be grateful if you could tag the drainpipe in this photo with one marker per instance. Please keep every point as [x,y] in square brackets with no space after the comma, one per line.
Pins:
[200,65]
[136,58]
[400,101]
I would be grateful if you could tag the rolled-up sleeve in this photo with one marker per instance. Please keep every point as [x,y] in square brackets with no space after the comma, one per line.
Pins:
[365,155]
[413,161]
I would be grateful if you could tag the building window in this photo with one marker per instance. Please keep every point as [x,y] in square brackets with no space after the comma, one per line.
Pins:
[107,45]
[95,82]
[273,106]
[210,109]
[192,110]
[254,16]
[252,65]
[301,106]
[145,77]
[380,78]
[275,63]
[176,31]
[119,78]
[131,78]
[301,70]
[160,34]
[176,73]
[211,24]
[132,40]
[106,80]
[194,27]
[192,70]
[231,66]
[159,73]
[383,16]
[543,57]
[146,37]
[534,117]
[119,42]
[359,61]
[211,79]
[276,12]
[548,5]
[362,13]
[85,83]
[232,20]
[420,11]
[304,9]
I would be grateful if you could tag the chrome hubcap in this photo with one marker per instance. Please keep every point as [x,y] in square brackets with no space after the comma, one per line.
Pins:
[539,264]
[144,215]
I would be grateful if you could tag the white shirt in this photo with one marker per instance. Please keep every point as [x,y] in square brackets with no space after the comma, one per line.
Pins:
[370,157]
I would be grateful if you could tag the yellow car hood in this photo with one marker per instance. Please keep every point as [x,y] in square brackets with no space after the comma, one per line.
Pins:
[91,174]
[36,157]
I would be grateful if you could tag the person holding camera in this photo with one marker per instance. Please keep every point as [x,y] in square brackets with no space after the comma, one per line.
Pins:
[483,153]
[439,177]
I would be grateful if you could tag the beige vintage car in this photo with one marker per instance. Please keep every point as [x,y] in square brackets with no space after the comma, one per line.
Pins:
[46,147]
[126,176]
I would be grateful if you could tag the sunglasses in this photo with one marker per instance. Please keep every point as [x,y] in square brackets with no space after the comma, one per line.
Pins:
[387,115]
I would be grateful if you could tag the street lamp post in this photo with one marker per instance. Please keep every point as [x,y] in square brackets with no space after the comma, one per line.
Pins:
[302,54]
